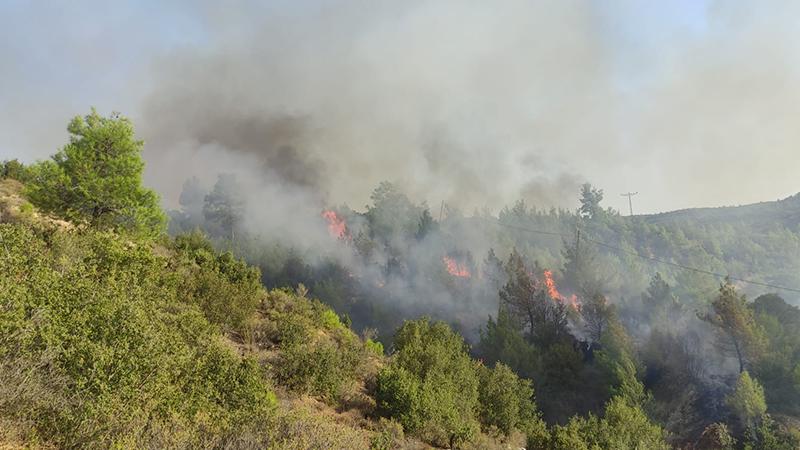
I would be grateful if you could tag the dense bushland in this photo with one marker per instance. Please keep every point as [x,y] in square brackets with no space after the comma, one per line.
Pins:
[100,347]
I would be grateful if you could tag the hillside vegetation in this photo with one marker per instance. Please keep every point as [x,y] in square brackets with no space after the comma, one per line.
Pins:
[112,340]
[114,334]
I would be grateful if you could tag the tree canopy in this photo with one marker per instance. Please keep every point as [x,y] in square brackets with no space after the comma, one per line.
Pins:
[97,178]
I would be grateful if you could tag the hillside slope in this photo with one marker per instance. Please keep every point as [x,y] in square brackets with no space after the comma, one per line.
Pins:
[785,212]
[107,340]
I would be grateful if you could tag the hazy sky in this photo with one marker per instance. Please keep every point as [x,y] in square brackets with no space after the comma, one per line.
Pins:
[691,103]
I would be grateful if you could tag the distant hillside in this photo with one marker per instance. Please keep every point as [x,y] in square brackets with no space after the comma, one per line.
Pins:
[785,212]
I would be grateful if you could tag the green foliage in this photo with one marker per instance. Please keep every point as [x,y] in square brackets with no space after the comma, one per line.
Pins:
[747,400]
[623,426]
[596,313]
[322,370]
[324,364]
[779,367]
[97,178]
[227,290]
[618,362]
[26,209]
[662,306]
[97,323]
[506,402]
[389,435]
[393,215]
[15,170]
[590,202]
[716,437]
[581,263]
[767,435]
[544,320]
[430,386]
[302,428]
[330,320]
[533,338]
[426,224]
[739,334]
[224,205]
[501,341]
[375,347]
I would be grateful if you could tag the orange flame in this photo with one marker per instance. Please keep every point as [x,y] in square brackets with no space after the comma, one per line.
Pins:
[455,269]
[336,225]
[551,285]
[552,291]
[574,302]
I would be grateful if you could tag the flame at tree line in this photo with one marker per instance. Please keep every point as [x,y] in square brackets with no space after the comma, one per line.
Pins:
[336,225]
[551,285]
[337,228]
[455,269]
[552,291]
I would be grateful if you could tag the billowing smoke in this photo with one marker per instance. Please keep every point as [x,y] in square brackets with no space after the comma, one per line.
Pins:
[472,102]
[454,101]
[477,104]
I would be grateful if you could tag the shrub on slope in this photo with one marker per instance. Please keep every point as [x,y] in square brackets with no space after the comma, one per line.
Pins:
[96,324]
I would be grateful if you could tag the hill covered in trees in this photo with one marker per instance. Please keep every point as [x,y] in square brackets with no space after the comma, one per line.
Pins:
[762,215]
[388,328]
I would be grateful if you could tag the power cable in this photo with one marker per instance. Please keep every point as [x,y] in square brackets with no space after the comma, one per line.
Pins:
[650,258]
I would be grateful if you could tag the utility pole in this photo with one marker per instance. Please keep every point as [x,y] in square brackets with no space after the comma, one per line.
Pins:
[630,203]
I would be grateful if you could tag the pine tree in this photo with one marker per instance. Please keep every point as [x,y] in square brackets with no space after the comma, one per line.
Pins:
[224,205]
[590,202]
[739,334]
[97,178]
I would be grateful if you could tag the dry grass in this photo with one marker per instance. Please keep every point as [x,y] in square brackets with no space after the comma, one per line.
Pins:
[14,207]
[11,200]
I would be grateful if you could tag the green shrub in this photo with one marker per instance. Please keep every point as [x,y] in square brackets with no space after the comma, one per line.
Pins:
[322,369]
[747,400]
[430,386]
[319,355]
[15,170]
[624,425]
[768,435]
[330,320]
[301,429]
[389,435]
[26,209]
[226,289]
[506,401]
[716,437]
[374,346]
[124,356]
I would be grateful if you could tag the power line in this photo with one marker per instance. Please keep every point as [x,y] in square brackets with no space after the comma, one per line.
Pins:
[694,269]
[517,227]
[650,258]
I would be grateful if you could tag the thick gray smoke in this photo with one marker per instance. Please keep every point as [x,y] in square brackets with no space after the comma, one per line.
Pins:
[472,103]
[455,101]
[691,103]
[479,103]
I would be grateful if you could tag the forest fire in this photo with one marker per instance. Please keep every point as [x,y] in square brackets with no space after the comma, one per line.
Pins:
[336,225]
[574,302]
[455,269]
[552,291]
